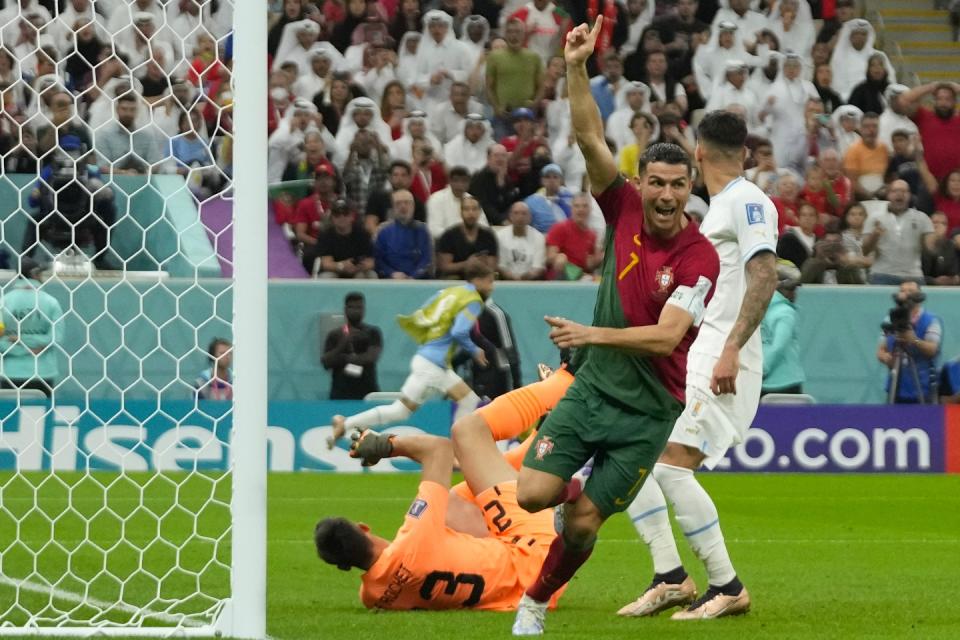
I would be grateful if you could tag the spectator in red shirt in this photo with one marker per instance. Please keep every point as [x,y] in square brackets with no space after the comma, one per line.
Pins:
[787,201]
[946,192]
[523,143]
[312,210]
[572,245]
[429,176]
[829,190]
[939,128]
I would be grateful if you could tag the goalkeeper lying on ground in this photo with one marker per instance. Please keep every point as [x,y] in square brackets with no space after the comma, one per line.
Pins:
[469,546]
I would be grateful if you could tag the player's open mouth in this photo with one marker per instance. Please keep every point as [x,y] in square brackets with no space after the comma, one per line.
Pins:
[665,212]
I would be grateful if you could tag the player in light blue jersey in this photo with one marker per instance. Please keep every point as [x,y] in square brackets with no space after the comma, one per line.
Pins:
[439,326]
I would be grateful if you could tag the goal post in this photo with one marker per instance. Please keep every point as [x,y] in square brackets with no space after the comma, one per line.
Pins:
[130,505]
[246,615]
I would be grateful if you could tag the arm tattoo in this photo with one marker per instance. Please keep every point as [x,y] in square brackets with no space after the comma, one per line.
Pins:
[761,283]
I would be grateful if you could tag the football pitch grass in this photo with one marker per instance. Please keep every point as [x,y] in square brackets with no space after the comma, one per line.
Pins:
[824,556]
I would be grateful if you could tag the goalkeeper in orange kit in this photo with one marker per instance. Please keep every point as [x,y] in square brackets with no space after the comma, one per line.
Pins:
[471,546]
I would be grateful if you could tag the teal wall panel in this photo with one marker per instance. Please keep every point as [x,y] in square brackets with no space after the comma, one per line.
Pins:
[148,340]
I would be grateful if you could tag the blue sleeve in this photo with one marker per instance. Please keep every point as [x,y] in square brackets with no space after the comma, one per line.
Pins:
[384,269]
[426,255]
[463,324]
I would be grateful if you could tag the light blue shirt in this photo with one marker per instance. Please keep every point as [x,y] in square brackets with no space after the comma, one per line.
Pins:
[436,351]
[33,317]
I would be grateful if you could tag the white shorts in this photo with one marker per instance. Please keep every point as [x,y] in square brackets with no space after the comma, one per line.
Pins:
[426,378]
[713,423]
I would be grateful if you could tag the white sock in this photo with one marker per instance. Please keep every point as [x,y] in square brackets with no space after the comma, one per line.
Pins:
[648,512]
[379,416]
[466,405]
[697,516]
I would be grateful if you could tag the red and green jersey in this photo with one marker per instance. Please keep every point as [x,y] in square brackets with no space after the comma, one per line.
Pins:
[640,273]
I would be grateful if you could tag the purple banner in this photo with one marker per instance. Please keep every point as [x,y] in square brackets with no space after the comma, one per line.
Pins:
[842,438]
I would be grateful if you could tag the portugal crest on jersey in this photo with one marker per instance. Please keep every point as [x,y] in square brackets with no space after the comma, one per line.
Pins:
[544,447]
[664,279]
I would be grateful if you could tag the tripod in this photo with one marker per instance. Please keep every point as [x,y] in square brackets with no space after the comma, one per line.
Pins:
[899,355]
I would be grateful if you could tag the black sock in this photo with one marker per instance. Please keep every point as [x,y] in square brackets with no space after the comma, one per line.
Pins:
[732,588]
[674,576]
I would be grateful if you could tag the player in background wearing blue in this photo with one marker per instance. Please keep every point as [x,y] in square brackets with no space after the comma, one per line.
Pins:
[441,324]
[724,373]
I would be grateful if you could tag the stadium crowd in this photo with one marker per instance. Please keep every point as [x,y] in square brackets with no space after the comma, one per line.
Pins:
[428,134]
[438,132]
[97,89]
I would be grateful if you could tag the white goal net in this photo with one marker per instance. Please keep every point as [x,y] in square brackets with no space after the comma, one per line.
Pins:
[121,503]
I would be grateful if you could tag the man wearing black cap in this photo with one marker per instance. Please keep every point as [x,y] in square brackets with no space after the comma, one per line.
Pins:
[343,249]
[31,318]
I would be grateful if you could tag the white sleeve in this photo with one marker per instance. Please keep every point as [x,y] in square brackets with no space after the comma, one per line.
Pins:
[693,299]
[755,222]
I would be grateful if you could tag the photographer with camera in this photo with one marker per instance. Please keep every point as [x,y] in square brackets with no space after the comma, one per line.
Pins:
[910,348]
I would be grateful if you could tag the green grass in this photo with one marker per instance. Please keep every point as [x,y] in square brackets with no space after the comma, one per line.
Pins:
[823,556]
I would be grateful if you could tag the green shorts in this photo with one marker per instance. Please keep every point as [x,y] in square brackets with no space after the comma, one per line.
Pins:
[624,442]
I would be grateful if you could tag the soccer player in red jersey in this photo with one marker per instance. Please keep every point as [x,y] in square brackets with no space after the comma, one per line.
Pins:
[657,276]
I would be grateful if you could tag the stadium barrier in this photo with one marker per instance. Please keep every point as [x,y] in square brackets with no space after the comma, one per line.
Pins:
[166,329]
[109,436]
[180,246]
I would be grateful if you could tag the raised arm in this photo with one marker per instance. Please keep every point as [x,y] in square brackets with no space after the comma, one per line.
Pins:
[584,115]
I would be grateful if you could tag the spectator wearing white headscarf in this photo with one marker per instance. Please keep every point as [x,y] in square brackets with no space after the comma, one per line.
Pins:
[296,44]
[314,79]
[851,56]
[285,142]
[469,148]
[894,117]
[415,127]
[734,90]
[361,113]
[441,59]
[710,60]
[747,21]
[785,114]
[845,122]
[631,98]
[474,36]
[793,27]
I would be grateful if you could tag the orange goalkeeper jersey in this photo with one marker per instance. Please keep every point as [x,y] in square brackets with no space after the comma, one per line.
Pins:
[430,566]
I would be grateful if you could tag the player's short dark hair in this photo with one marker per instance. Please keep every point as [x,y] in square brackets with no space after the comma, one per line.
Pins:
[723,131]
[900,133]
[477,270]
[459,172]
[870,115]
[341,543]
[353,296]
[665,152]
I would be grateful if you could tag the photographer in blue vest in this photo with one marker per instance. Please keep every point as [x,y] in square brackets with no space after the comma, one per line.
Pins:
[910,348]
